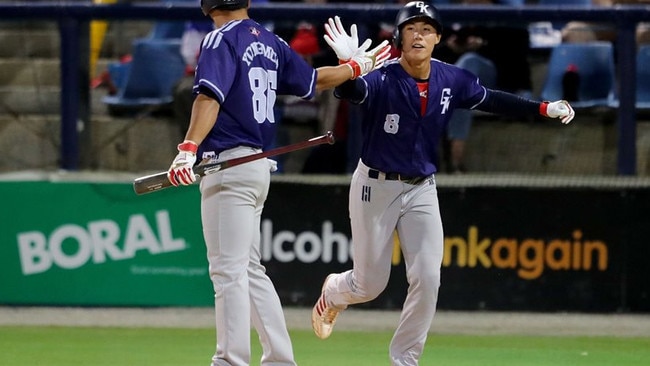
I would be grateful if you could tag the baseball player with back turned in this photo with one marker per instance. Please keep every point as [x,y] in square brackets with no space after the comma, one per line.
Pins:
[241,68]
[407,104]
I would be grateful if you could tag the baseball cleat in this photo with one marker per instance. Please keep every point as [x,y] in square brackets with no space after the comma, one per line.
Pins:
[323,316]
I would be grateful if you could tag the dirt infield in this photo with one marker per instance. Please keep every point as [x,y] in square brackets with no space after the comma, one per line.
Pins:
[446,322]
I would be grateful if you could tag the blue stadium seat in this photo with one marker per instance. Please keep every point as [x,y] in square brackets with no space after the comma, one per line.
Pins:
[167,29]
[149,79]
[596,70]
[119,72]
[643,77]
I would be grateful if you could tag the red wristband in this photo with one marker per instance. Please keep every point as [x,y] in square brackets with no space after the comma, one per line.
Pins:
[542,109]
[188,145]
[356,68]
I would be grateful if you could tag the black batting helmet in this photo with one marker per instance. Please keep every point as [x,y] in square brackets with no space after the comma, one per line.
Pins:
[208,5]
[412,10]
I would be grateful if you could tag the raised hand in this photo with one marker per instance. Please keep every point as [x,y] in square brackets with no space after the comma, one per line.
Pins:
[381,53]
[365,62]
[344,45]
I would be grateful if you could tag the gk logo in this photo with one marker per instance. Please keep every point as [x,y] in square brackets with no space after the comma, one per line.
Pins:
[445,97]
[422,6]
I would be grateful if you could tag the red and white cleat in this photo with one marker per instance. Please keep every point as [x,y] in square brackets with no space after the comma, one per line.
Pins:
[323,316]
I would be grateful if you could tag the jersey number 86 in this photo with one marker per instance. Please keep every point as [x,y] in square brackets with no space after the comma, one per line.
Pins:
[263,84]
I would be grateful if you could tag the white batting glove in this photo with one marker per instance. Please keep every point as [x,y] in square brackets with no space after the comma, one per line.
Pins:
[180,172]
[560,109]
[273,165]
[361,64]
[345,46]
[382,53]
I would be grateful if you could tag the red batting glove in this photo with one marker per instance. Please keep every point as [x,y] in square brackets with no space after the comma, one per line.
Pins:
[180,172]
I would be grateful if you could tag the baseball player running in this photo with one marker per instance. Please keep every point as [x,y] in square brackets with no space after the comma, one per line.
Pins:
[407,105]
[241,68]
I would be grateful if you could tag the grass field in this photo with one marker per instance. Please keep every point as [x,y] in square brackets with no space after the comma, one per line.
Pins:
[88,346]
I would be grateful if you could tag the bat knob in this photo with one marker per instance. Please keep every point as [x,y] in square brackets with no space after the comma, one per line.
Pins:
[330,137]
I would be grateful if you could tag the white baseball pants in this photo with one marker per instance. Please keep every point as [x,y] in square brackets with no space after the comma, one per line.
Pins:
[378,207]
[231,209]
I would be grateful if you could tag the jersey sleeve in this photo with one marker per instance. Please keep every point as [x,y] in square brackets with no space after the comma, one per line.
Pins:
[297,76]
[217,66]
[471,93]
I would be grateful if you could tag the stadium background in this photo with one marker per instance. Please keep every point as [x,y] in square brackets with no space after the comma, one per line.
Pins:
[531,183]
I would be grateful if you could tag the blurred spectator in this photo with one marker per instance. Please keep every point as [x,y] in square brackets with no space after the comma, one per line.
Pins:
[322,112]
[305,41]
[497,55]
[464,47]
[295,109]
[580,31]
[190,44]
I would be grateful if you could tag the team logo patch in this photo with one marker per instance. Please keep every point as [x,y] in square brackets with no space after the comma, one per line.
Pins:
[365,194]
[209,156]
[254,31]
[445,98]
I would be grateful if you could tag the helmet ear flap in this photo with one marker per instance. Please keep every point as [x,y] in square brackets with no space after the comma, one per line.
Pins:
[397,38]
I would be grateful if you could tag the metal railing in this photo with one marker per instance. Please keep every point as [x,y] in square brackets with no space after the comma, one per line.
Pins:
[72,17]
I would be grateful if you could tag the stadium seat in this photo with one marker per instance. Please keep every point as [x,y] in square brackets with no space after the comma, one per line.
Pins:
[643,77]
[595,66]
[156,66]
[167,29]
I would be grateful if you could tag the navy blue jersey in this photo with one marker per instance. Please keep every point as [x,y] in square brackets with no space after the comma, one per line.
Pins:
[396,136]
[244,66]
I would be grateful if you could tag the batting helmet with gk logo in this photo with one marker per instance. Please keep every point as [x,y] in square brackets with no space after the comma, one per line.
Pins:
[413,10]
[209,5]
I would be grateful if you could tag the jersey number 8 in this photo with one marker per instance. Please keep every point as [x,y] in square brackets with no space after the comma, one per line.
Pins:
[391,124]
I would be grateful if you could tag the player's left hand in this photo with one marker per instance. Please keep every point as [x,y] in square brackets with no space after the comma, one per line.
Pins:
[344,45]
[560,109]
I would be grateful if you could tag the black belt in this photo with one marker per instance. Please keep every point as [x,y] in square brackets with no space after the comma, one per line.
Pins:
[374,174]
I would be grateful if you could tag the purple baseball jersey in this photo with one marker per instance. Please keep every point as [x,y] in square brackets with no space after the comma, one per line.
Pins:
[396,136]
[244,66]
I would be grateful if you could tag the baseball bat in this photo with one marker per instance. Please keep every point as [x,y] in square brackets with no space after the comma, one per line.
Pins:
[158,181]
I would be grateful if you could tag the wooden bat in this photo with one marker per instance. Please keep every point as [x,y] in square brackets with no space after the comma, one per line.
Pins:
[158,181]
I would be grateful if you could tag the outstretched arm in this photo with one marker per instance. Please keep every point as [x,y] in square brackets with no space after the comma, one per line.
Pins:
[500,102]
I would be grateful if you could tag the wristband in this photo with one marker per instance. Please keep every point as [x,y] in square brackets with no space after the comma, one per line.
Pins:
[189,146]
[542,109]
[356,68]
